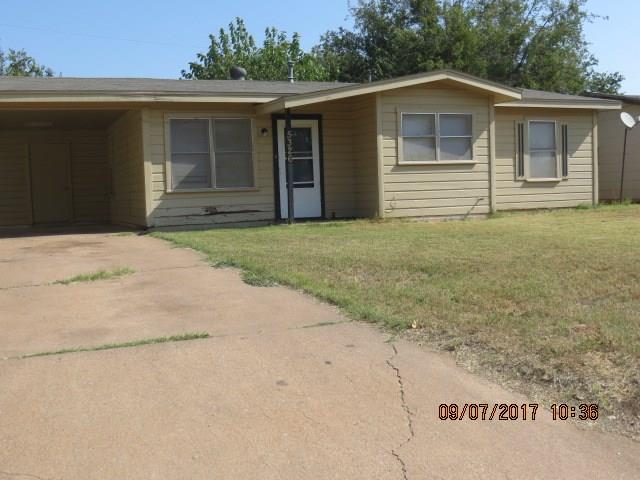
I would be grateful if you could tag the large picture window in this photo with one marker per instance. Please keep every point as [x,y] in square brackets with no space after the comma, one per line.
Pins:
[211,153]
[435,137]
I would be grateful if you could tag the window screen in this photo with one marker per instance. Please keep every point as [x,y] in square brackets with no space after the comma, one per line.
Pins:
[302,153]
[543,162]
[194,165]
[430,137]
[190,155]
[419,137]
[233,155]
[455,136]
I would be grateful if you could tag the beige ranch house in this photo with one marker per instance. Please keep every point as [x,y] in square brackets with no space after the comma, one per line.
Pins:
[180,153]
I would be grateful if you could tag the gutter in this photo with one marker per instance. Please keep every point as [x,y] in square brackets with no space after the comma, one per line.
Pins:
[98,97]
[575,104]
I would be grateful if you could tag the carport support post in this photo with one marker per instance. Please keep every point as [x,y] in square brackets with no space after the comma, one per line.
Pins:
[288,145]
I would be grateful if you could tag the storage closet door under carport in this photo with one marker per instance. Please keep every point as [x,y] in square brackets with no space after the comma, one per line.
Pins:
[51,182]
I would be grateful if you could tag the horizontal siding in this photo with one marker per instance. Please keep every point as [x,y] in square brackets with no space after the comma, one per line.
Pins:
[90,177]
[577,189]
[349,149]
[339,156]
[15,202]
[89,173]
[127,164]
[204,209]
[610,143]
[366,155]
[435,190]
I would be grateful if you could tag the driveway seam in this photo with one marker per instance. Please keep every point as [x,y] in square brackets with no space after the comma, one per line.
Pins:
[408,413]
[18,474]
[50,284]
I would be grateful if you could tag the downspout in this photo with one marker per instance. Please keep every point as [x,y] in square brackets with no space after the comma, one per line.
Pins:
[380,155]
[595,152]
[493,207]
[288,146]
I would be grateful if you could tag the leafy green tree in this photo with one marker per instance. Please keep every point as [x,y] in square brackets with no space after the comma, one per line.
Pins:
[527,43]
[604,82]
[20,64]
[237,47]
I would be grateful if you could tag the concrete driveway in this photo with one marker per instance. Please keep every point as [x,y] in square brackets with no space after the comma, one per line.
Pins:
[285,388]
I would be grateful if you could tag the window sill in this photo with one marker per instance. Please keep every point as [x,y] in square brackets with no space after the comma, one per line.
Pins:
[213,190]
[542,180]
[440,162]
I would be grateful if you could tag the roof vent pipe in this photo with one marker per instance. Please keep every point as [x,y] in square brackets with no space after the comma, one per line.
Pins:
[290,76]
[238,73]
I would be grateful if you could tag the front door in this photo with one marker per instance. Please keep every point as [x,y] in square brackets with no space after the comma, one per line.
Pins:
[50,183]
[307,188]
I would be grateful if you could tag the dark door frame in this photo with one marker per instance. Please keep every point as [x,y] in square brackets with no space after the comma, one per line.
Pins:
[276,164]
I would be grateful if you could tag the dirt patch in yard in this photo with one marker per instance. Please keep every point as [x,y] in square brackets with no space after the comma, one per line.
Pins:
[593,378]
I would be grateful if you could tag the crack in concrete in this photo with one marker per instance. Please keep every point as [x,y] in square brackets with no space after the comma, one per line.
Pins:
[17,474]
[55,282]
[408,413]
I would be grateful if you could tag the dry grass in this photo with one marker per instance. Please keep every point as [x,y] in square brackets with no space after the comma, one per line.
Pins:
[548,300]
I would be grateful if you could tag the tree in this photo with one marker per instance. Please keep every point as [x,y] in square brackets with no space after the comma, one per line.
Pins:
[18,63]
[237,47]
[526,43]
[604,82]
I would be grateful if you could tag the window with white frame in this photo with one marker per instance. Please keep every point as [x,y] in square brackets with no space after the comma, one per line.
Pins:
[543,156]
[435,137]
[211,153]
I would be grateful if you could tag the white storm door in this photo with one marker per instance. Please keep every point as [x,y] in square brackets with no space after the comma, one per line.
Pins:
[307,190]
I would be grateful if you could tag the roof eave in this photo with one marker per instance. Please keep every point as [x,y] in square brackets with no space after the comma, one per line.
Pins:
[125,97]
[576,104]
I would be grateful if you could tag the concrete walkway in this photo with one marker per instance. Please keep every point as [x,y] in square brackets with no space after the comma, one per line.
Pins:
[286,387]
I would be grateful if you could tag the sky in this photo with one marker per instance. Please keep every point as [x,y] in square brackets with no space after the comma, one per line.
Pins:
[142,38]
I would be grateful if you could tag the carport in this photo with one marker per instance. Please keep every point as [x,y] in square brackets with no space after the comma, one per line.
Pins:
[69,166]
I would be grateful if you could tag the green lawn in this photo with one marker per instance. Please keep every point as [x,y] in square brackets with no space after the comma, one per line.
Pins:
[546,298]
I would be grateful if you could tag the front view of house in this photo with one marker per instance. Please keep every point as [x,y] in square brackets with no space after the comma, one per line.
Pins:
[193,153]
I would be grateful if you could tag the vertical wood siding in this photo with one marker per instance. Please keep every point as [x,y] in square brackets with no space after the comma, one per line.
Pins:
[89,173]
[436,190]
[610,141]
[516,194]
[127,170]
[212,208]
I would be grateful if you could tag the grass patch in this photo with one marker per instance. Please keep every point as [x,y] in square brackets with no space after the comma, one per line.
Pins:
[111,346]
[99,275]
[257,280]
[548,299]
